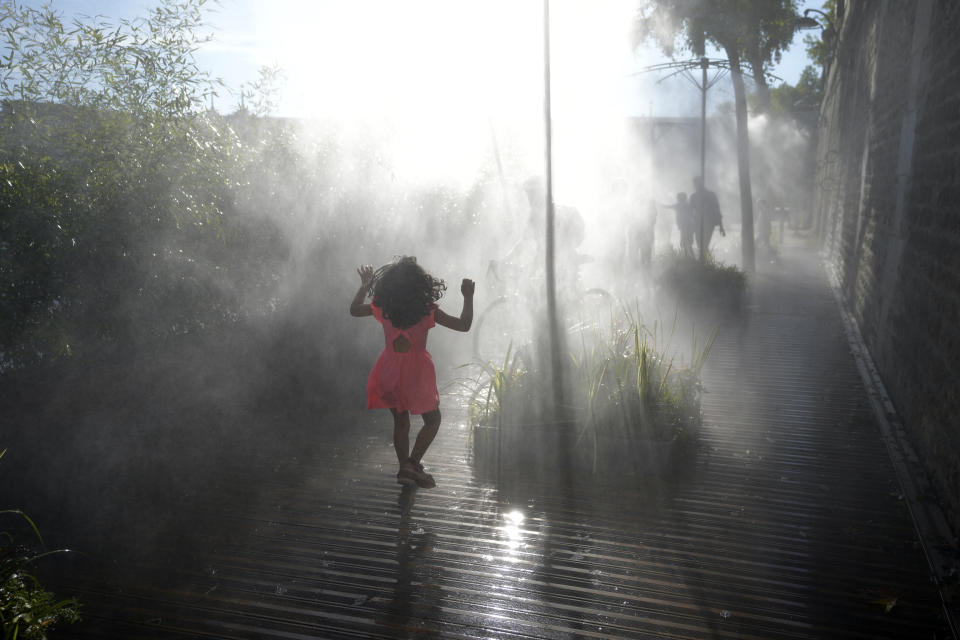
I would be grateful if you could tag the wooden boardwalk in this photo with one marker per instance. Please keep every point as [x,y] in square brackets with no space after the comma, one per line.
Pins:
[789,523]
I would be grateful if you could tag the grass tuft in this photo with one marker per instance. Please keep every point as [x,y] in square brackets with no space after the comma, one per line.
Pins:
[627,384]
[27,610]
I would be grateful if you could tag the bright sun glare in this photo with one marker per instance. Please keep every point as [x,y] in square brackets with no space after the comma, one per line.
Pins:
[439,78]
[512,534]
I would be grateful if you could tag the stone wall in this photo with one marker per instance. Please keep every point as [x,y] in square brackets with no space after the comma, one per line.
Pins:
[887,207]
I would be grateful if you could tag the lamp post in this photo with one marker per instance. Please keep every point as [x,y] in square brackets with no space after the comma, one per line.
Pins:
[825,24]
[806,22]
[556,346]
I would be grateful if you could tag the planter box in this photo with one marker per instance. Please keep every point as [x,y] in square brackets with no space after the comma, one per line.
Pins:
[699,289]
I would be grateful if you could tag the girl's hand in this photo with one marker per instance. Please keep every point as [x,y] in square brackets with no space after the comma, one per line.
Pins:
[366,275]
[467,287]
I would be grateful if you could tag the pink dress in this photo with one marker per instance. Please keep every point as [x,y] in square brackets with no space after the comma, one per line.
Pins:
[404,381]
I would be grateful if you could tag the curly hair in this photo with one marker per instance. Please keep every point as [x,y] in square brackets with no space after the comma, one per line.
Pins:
[405,292]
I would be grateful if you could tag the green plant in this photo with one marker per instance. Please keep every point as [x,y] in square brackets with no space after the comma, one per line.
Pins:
[496,389]
[27,610]
[633,384]
[626,384]
[123,199]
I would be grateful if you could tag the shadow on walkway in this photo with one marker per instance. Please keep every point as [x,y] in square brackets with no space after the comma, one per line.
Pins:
[788,523]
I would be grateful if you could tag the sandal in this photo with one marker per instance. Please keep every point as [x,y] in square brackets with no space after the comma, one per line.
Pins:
[423,479]
[406,477]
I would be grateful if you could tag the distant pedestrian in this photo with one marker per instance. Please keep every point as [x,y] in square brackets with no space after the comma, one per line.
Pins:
[404,378]
[569,233]
[706,215]
[684,223]
[764,224]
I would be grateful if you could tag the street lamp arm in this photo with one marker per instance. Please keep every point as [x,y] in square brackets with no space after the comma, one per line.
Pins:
[806,22]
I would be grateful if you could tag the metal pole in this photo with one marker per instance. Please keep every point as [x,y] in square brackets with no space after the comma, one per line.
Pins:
[556,360]
[704,63]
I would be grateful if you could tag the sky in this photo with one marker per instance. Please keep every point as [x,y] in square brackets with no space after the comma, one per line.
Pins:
[354,57]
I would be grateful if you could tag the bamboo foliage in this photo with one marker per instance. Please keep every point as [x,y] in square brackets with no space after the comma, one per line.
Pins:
[627,382]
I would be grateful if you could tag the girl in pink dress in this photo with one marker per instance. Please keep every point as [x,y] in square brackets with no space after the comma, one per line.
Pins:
[404,378]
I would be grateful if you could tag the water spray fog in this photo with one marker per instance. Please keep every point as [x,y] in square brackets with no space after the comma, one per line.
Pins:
[204,305]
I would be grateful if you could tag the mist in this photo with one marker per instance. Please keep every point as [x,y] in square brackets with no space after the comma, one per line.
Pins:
[211,356]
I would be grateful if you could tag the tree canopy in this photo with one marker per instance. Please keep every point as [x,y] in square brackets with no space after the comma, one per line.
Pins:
[802,97]
[758,31]
[751,31]
[114,180]
[133,217]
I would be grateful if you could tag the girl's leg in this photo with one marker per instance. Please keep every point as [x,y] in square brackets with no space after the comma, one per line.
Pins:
[431,424]
[401,435]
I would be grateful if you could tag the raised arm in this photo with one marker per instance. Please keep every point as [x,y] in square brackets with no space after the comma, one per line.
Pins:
[466,314]
[358,307]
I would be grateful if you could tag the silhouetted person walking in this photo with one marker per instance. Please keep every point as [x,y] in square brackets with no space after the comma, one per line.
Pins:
[684,223]
[764,224]
[706,215]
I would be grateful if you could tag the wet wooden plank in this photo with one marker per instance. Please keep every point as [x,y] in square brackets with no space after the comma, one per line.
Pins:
[787,524]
